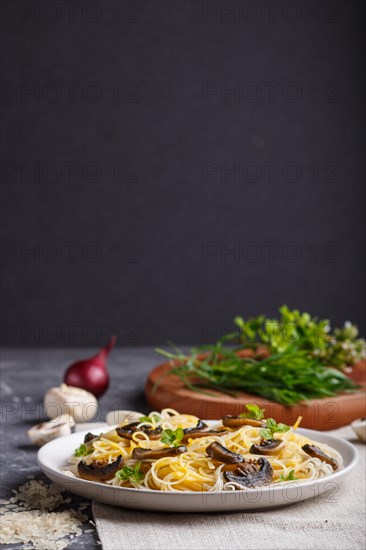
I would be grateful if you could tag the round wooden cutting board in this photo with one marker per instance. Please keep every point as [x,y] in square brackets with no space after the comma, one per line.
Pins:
[320,414]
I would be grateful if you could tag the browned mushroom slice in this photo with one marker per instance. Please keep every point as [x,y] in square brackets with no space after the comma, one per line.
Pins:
[250,474]
[229,467]
[145,467]
[153,434]
[222,454]
[154,454]
[267,447]
[99,471]
[199,426]
[315,452]
[238,421]
[127,431]
[89,437]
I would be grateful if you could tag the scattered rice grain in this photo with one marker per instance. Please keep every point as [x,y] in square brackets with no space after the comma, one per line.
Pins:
[33,522]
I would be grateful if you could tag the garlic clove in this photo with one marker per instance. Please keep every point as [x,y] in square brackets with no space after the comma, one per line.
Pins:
[80,404]
[46,431]
[117,417]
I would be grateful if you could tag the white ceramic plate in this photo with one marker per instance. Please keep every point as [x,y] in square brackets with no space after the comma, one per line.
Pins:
[53,456]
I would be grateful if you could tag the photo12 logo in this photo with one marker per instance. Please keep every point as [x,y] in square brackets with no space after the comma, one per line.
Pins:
[70,171]
[72,93]
[272,92]
[70,252]
[68,332]
[255,12]
[269,172]
[54,12]
[270,252]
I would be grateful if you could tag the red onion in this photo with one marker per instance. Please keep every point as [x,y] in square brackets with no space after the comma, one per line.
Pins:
[91,374]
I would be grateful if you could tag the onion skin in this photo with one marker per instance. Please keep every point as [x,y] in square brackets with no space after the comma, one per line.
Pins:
[91,374]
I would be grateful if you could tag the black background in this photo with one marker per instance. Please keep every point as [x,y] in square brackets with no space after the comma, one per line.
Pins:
[151,244]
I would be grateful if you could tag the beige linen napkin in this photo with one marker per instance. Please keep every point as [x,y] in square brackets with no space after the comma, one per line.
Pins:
[334,522]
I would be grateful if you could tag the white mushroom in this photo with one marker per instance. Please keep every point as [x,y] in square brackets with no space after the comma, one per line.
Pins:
[46,431]
[117,417]
[80,404]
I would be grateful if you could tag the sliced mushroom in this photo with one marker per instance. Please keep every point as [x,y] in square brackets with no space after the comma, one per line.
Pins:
[250,474]
[153,434]
[229,467]
[154,454]
[315,452]
[200,426]
[99,471]
[127,431]
[46,431]
[230,421]
[222,454]
[89,437]
[267,447]
[145,467]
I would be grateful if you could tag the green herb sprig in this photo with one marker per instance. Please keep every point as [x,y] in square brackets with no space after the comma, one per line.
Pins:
[286,378]
[302,351]
[289,477]
[152,418]
[272,428]
[253,412]
[300,331]
[130,474]
[172,437]
[83,450]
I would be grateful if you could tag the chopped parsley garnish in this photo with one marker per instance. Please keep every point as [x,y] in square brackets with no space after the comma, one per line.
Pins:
[253,412]
[272,428]
[83,450]
[172,437]
[131,474]
[289,477]
[153,418]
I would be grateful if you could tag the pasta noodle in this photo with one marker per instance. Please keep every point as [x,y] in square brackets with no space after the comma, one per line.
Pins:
[194,470]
